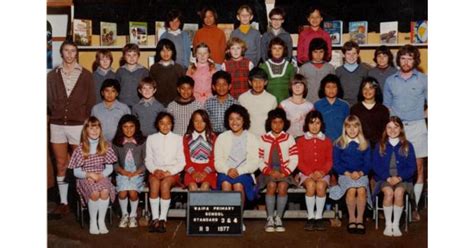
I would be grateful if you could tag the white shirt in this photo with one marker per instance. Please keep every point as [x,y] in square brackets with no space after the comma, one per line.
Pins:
[258,107]
[165,152]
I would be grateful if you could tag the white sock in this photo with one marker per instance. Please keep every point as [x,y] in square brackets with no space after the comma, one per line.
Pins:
[63,187]
[320,206]
[133,208]
[154,204]
[164,206]
[418,189]
[123,206]
[103,205]
[310,201]
[93,207]
[387,212]
[397,213]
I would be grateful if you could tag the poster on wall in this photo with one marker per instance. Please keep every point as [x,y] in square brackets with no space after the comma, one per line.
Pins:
[59,25]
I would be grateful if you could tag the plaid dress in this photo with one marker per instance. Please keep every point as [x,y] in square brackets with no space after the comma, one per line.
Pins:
[239,70]
[94,163]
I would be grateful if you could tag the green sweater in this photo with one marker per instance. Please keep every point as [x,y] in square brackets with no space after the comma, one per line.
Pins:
[279,76]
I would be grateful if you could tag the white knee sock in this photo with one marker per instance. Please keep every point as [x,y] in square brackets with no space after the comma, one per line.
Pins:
[387,212]
[123,206]
[397,212]
[320,206]
[418,189]
[63,187]
[154,204]
[310,201]
[164,206]
[93,207]
[133,208]
[103,205]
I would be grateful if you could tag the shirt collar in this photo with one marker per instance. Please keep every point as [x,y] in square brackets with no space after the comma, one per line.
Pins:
[175,32]
[415,73]
[77,66]
[196,135]
[353,140]
[103,72]
[131,141]
[138,66]
[147,103]
[319,136]
[393,141]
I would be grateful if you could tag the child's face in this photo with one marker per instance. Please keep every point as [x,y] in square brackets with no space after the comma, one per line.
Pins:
[317,55]
[109,94]
[406,63]
[277,51]
[202,55]
[297,89]
[276,21]
[314,126]
[351,56]
[198,123]
[147,91]
[277,125]
[104,62]
[330,90]
[244,17]
[315,19]
[209,18]
[128,129]
[69,54]
[393,130]
[131,57]
[236,122]
[368,92]
[258,85]
[221,87]
[352,130]
[382,60]
[166,54]
[174,24]
[185,91]
[164,125]
[93,131]
[236,51]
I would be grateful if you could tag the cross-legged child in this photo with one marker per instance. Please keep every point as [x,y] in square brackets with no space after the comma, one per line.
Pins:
[238,66]
[148,107]
[102,68]
[248,34]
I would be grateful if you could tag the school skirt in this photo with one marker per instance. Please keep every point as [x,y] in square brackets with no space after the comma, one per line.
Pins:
[85,188]
[246,180]
[345,183]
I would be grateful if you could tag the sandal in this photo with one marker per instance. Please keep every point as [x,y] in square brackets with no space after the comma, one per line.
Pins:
[360,228]
[351,227]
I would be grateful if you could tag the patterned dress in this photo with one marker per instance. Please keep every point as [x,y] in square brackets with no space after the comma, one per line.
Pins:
[130,183]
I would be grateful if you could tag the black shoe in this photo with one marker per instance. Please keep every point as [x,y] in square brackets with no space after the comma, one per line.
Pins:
[352,227]
[153,226]
[161,226]
[309,225]
[360,229]
[319,225]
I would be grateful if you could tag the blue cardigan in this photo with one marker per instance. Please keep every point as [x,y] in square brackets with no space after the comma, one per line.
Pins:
[406,166]
[351,159]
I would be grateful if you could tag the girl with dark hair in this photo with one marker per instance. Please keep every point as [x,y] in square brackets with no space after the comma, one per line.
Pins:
[384,66]
[180,38]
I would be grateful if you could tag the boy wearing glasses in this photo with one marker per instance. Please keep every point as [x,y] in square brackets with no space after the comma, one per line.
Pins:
[277,18]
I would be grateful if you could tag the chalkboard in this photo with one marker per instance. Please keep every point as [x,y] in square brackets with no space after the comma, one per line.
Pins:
[214,214]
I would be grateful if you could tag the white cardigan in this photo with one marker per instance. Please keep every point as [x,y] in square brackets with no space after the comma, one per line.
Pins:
[165,152]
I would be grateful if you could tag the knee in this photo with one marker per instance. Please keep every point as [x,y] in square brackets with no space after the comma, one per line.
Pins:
[282,188]
[361,192]
[94,196]
[226,186]
[238,187]
[351,193]
[133,195]
[399,193]
[104,194]
[271,188]
[321,188]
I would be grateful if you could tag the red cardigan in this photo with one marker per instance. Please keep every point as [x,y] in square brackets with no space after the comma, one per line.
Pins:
[314,155]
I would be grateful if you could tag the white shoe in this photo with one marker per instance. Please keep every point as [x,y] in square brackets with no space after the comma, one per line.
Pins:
[388,230]
[396,231]
[270,226]
[243,227]
[279,224]
[103,228]
[93,228]
[132,222]
[124,221]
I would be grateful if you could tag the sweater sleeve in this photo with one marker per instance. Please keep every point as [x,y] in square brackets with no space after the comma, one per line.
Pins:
[116,164]
[367,161]
[378,165]
[180,160]
[337,161]
[300,54]
[141,167]
[90,93]
[301,161]
[189,167]
[149,156]
[219,154]
[261,163]
[108,170]
[328,163]
[409,168]
[293,156]
[251,164]
[79,173]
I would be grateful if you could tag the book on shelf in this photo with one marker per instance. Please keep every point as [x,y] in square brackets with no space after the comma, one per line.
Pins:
[358,32]
[138,33]
[82,30]
[191,29]
[334,28]
[159,30]
[227,28]
[419,31]
[108,33]
[389,32]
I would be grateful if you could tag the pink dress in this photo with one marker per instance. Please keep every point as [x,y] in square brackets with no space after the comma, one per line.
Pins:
[202,82]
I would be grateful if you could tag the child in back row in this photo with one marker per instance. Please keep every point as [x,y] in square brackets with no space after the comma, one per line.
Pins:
[277,18]
[238,66]
[102,68]
[248,34]
[278,155]
[148,107]
[384,67]
[174,23]
[211,35]
[201,72]
[308,34]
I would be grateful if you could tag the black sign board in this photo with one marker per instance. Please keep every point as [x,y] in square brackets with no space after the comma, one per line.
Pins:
[214,214]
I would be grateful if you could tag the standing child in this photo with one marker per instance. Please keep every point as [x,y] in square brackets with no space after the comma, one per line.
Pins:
[296,106]
[308,34]
[148,107]
[102,68]
[317,68]
[110,110]
[211,35]
[130,74]
[92,163]
[352,162]
[164,160]
[258,101]
[384,67]
[238,66]
[129,145]
[201,72]
[315,163]
[165,71]
[198,143]
[351,72]
[180,38]
[184,105]
[217,105]
[236,154]
[279,70]
[277,18]
[246,33]
[331,106]
[394,165]
[278,159]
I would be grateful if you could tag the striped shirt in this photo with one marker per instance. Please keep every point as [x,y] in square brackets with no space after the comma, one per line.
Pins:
[182,113]
[70,78]
[216,111]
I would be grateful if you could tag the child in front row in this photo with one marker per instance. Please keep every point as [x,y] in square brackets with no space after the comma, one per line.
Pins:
[315,163]
[236,154]
[238,66]
[148,107]
[92,163]
[278,159]
[352,162]
[164,160]
[198,143]
[394,165]
[129,146]
[102,68]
